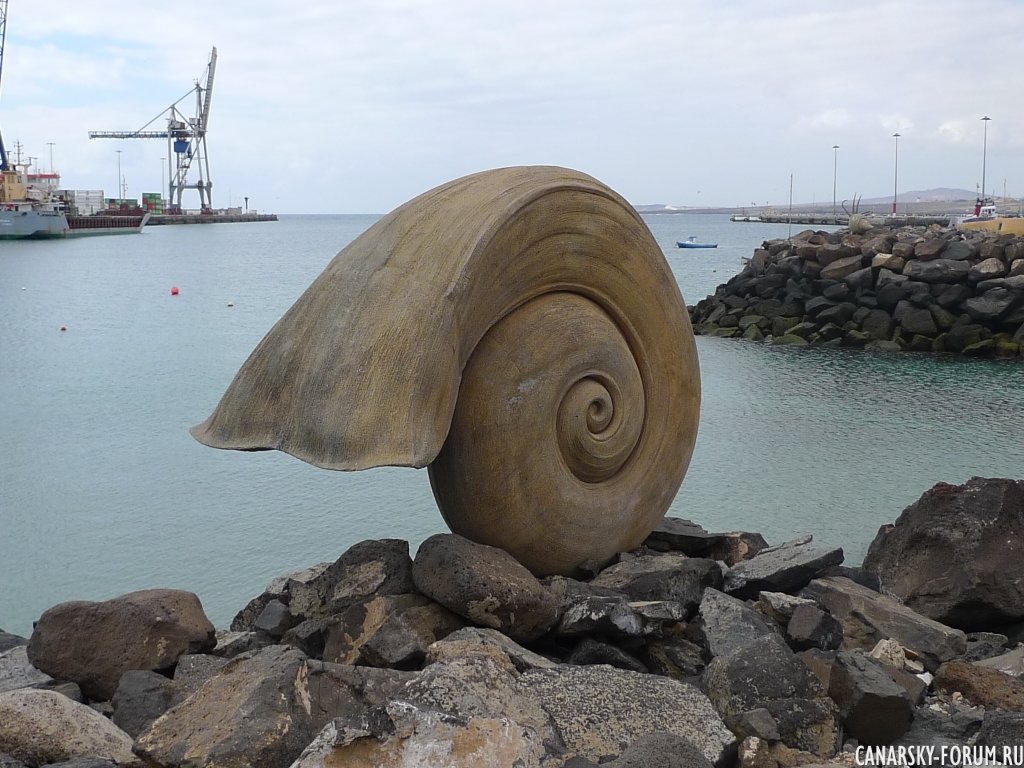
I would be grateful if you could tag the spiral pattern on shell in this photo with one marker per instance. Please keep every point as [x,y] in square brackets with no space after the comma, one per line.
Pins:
[517,330]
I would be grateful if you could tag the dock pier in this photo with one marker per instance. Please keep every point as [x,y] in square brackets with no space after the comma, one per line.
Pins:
[842,221]
[208,218]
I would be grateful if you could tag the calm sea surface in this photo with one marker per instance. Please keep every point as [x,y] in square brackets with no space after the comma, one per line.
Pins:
[103,490]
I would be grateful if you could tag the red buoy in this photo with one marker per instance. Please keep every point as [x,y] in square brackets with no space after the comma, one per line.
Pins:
[174,290]
[63,327]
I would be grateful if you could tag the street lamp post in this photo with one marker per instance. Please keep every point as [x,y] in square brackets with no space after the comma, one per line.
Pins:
[984,154]
[835,168]
[895,172]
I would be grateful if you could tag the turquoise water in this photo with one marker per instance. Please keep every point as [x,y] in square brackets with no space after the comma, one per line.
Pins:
[102,489]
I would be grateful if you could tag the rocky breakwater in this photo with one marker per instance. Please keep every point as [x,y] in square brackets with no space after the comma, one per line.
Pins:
[697,649]
[914,289]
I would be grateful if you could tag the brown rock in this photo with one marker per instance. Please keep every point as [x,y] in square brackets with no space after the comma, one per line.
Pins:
[888,261]
[262,710]
[841,268]
[42,727]
[485,585]
[755,752]
[981,686]
[929,248]
[473,641]
[93,644]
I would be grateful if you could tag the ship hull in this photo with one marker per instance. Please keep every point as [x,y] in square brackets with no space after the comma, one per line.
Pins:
[46,225]
[1002,224]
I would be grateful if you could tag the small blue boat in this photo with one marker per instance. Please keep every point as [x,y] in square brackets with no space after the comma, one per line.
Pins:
[691,242]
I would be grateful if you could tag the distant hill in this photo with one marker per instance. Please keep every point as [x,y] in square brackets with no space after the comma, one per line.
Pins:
[937,195]
[917,199]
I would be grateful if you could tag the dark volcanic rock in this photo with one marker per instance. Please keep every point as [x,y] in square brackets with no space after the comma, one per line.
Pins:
[309,636]
[367,569]
[660,750]
[593,651]
[938,271]
[874,709]
[8,641]
[141,697]
[677,534]
[669,576]
[726,624]
[610,616]
[956,555]
[915,319]
[389,631]
[811,627]
[765,674]
[1002,729]
[992,305]
[675,657]
[194,669]
[783,568]
[823,294]
[275,619]
[485,585]
[93,644]
[868,617]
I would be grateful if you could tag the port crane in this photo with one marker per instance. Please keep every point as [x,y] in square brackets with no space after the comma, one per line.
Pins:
[186,141]
[3,38]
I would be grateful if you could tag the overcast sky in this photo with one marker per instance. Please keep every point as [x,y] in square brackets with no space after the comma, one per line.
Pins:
[342,106]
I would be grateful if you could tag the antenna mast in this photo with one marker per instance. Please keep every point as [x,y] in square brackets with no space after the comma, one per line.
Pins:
[3,37]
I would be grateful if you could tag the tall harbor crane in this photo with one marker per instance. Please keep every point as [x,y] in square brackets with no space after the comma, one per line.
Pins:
[186,141]
[3,37]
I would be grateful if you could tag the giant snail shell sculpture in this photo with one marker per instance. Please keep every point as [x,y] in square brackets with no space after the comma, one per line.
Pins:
[518,332]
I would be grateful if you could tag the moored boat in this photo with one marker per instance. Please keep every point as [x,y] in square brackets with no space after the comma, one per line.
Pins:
[691,242]
[28,212]
[986,218]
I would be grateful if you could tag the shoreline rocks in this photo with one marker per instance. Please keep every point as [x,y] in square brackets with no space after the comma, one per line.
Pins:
[771,658]
[910,289]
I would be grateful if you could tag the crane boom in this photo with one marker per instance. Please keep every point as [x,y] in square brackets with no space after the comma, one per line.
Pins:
[3,38]
[208,91]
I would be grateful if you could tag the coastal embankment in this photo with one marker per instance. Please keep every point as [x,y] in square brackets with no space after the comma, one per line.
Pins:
[917,289]
[696,649]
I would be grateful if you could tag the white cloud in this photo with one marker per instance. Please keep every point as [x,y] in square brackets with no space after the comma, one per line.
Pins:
[367,102]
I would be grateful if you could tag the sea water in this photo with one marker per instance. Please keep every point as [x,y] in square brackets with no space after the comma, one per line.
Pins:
[103,490]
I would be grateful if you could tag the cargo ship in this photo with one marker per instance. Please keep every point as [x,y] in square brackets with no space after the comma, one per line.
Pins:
[33,207]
